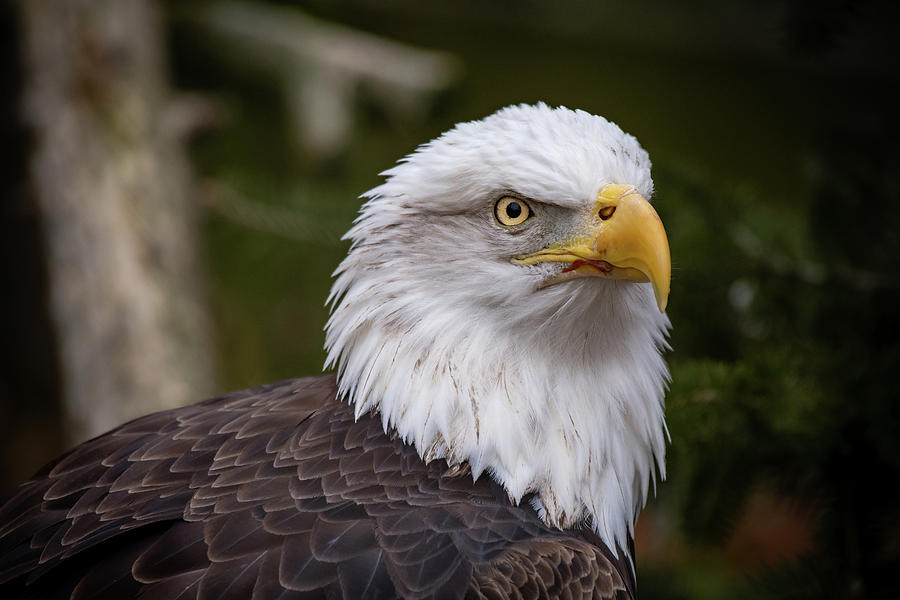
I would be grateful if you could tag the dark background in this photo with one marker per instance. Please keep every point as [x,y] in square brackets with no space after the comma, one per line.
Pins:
[773,130]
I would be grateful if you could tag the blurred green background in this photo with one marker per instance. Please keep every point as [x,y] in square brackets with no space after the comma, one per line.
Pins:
[772,127]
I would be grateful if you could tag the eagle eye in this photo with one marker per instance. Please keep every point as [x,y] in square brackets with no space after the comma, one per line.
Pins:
[510,211]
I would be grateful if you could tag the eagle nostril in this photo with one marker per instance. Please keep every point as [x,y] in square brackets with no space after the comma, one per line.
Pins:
[606,212]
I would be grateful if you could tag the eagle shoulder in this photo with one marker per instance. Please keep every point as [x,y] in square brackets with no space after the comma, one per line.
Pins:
[277,492]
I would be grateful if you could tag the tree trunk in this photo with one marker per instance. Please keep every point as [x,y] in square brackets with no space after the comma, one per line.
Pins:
[113,185]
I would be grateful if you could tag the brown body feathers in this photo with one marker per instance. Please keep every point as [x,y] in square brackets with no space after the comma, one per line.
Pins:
[276,492]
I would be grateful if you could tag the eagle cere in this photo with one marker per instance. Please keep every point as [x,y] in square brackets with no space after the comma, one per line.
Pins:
[492,430]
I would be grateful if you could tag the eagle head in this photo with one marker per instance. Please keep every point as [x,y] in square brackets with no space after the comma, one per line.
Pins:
[502,304]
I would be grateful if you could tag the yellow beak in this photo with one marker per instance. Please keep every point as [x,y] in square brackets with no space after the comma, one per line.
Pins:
[623,239]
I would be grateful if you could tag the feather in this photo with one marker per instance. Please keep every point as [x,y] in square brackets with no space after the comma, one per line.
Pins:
[234,578]
[180,550]
[299,569]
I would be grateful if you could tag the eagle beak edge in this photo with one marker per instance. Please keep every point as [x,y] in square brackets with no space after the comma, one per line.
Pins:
[625,239]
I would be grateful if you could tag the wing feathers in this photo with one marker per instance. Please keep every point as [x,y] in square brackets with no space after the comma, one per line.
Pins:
[179,550]
[299,569]
[278,492]
[230,579]
[365,576]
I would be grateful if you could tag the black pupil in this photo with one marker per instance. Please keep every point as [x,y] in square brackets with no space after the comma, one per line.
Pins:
[513,210]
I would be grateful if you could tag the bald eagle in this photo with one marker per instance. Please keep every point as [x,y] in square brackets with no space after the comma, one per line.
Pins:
[492,429]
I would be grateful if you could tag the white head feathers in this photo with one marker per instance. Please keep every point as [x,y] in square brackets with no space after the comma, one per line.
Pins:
[556,391]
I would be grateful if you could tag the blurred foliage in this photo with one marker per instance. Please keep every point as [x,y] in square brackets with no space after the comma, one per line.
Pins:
[773,128]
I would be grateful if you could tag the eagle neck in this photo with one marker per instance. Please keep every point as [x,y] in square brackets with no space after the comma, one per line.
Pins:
[570,415]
